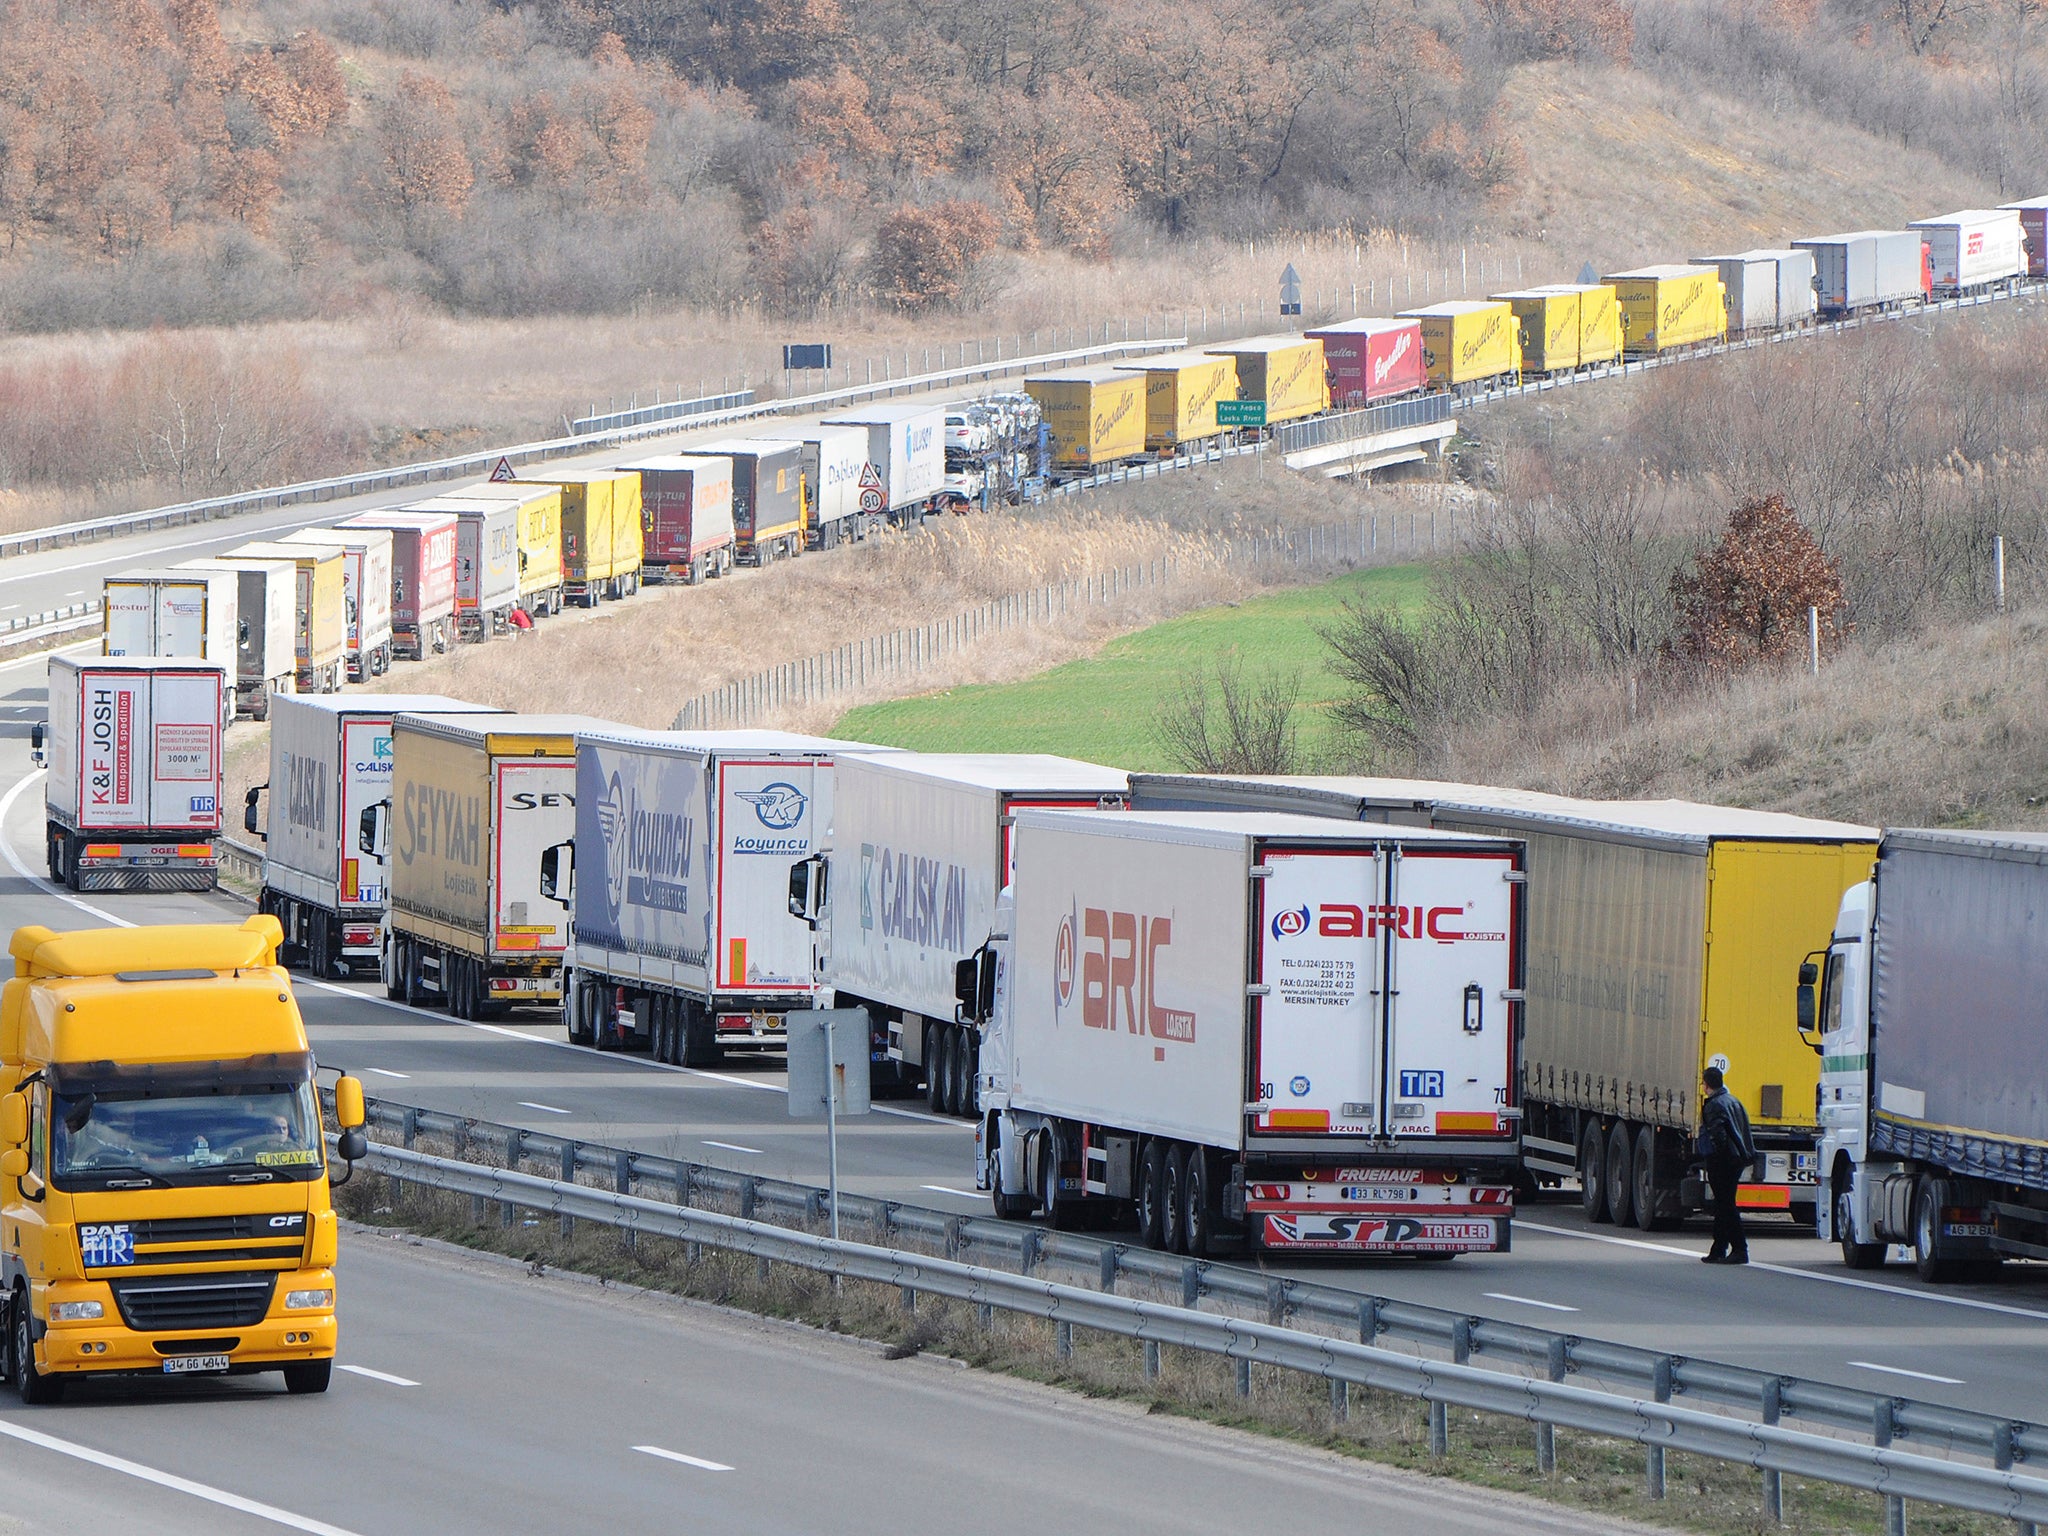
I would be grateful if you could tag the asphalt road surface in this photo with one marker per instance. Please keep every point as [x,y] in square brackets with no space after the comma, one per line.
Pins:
[1794,1309]
[473,1397]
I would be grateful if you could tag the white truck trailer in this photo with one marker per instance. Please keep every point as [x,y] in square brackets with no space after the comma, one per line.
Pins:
[1933,1095]
[906,454]
[330,761]
[921,846]
[171,613]
[476,799]
[266,629]
[132,796]
[366,555]
[1255,1030]
[678,873]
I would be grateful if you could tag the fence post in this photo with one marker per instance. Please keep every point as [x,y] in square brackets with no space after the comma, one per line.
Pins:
[1546,1434]
[568,1177]
[1883,1426]
[1660,1388]
[1774,1481]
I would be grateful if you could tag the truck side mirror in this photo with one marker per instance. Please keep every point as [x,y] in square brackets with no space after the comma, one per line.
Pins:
[249,811]
[558,872]
[371,833]
[14,1163]
[1809,973]
[36,754]
[13,1120]
[348,1103]
[966,988]
[985,982]
[809,881]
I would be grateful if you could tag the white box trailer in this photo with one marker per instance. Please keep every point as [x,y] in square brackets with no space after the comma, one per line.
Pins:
[132,796]
[1765,290]
[2033,212]
[834,458]
[1973,248]
[921,846]
[366,555]
[171,613]
[1255,1029]
[906,450]
[486,561]
[330,761]
[679,875]
[266,630]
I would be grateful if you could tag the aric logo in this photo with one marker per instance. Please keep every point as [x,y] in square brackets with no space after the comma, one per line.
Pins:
[1290,924]
[779,806]
[1063,963]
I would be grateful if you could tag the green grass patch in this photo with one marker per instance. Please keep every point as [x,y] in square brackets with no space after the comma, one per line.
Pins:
[1102,708]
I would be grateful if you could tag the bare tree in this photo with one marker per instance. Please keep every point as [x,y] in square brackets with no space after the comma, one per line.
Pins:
[1220,721]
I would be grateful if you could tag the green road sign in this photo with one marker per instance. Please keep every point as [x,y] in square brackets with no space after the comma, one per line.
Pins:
[1240,413]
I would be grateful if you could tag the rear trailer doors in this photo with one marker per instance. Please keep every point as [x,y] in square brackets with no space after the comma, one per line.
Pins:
[536,809]
[770,811]
[1386,1011]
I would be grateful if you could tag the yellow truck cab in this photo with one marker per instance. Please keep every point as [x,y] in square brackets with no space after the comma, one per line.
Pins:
[164,1206]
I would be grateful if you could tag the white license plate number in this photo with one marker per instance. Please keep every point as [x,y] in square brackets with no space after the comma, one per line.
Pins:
[1379,1192]
[195,1365]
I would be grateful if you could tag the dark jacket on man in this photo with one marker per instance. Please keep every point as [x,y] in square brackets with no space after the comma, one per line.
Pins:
[1726,1148]
[1724,1130]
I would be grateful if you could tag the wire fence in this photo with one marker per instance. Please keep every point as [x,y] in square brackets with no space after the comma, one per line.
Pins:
[886,660]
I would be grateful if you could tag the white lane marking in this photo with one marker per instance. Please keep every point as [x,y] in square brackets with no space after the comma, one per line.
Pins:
[21,869]
[171,1480]
[386,1072]
[1898,1370]
[1520,1301]
[689,1461]
[549,1108]
[729,1146]
[384,1376]
[947,1189]
[1904,1293]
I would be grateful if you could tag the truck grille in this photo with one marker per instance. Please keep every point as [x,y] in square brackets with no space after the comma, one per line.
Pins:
[249,1239]
[228,1301]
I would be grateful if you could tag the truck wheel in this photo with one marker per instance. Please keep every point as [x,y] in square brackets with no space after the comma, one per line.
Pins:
[1195,1225]
[576,1010]
[1151,1194]
[1644,1194]
[965,1074]
[1593,1172]
[455,984]
[1855,1255]
[415,985]
[934,1084]
[392,963]
[1926,1233]
[1008,1207]
[31,1385]
[54,841]
[1620,1186]
[700,1036]
[1053,1205]
[947,1071]
[1172,1208]
[302,1378]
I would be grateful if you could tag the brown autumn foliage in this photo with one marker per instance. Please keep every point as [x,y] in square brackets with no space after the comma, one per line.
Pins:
[1747,599]
[925,257]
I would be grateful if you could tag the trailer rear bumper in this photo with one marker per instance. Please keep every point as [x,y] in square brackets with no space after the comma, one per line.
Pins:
[166,866]
[1327,1229]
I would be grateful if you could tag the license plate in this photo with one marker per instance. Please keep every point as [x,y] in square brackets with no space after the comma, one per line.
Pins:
[1404,1193]
[195,1365]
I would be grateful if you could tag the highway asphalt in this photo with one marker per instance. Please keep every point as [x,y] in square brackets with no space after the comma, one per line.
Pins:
[1794,1310]
[473,1396]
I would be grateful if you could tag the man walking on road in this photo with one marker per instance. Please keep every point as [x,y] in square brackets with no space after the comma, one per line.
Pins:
[1726,1149]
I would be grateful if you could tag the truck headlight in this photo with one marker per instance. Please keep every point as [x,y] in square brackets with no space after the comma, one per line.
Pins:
[77,1311]
[299,1301]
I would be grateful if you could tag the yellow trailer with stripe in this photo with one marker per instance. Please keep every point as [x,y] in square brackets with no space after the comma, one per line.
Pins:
[1467,340]
[1548,319]
[601,535]
[1286,372]
[1668,307]
[1096,416]
[1181,391]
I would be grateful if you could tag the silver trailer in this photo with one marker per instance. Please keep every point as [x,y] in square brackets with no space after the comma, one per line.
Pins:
[1765,290]
[1866,269]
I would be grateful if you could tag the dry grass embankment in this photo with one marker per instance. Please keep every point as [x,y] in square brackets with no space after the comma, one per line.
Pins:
[1603,1478]
[1945,728]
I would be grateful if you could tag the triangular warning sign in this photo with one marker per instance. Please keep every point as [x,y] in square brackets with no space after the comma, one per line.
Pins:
[870,480]
[503,471]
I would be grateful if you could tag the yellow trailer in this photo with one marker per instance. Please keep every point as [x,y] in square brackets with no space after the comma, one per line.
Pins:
[1599,321]
[320,618]
[1548,319]
[540,539]
[1465,340]
[1287,372]
[1181,391]
[601,535]
[1664,308]
[1096,416]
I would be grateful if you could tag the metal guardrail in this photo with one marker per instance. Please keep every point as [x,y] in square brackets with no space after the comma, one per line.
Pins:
[1656,1424]
[238,857]
[56,621]
[1106,1262]
[1368,421]
[401,475]
[672,410]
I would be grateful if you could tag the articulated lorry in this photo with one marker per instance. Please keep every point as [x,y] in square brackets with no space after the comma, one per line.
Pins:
[131,801]
[921,846]
[422,577]
[680,871]
[1660,936]
[266,614]
[330,761]
[319,609]
[164,1193]
[686,511]
[476,799]
[1927,1025]
[366,593]
[486,562]
[601,534]
[1254,1030]
[171,613]
[906,452]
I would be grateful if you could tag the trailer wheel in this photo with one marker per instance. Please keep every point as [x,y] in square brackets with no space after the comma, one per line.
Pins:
[668,1027]
[1926,1235]
[1644,1169]
[1196,1227]
[1855,1255]
[934,1085]
[1172,1205]
[1151,1194]
[1620,1185]
[1593,1171]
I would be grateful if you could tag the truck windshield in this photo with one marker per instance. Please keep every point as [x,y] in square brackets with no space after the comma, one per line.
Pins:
[181,1136]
